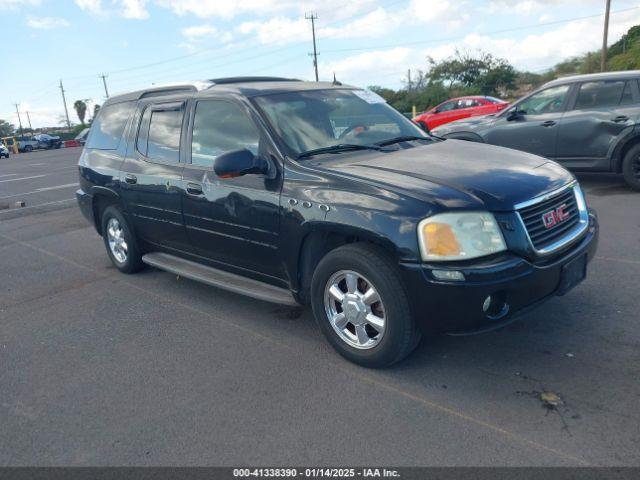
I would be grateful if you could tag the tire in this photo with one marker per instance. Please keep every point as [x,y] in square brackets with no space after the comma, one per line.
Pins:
[375,270]
[631,167]
[121,248]
[28,148]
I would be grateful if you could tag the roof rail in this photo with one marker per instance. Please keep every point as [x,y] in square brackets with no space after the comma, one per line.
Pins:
[227,80]
[174,88]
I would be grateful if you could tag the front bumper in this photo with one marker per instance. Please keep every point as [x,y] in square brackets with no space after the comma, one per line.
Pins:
[456,307]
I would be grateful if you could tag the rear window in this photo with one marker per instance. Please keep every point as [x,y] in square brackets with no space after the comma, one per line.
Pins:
[107,129]
[604,94]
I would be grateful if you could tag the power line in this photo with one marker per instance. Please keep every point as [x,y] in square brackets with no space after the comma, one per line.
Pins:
[313,18]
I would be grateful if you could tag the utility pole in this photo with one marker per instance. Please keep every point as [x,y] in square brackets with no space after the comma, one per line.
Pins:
[29,120]
[313,18]
[104,82]
[64,101]
[409,80]
[19,121]
[603,58]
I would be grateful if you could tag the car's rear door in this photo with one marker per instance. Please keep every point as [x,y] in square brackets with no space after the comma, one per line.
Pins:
[535,128]
[600,112]
[151,175]
[233,222]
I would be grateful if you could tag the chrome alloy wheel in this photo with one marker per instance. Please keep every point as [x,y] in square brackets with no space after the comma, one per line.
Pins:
[354,309]
[117,243]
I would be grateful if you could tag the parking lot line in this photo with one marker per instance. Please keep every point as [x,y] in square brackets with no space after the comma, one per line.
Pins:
[12,210]
[22,178]
[8,175]
[621,260]
[39,190]
[425,402]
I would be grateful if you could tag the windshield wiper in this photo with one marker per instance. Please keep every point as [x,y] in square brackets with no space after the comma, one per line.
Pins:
[341,147]
[404,138]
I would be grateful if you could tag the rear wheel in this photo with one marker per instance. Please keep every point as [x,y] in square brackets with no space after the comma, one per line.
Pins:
[361,306]
[631,167]
[28,148]
[120,242]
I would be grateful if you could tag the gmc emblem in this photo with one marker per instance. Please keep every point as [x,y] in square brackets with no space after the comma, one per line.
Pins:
[554,217]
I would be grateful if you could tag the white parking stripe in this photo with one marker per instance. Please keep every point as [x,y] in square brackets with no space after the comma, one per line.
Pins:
[57,187]
[23,178]
[36,206]
[9,175]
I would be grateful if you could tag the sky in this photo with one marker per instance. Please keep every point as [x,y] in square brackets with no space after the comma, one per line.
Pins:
[137,43]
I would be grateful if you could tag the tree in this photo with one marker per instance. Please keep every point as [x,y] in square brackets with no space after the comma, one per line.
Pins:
[81,109]
[6,128]
[483,73]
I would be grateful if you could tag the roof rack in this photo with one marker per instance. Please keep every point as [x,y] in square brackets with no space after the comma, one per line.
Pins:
[228,80]
[174,88]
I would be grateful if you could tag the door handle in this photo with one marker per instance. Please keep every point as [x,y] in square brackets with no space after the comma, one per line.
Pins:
[130,179]
[620,119]
[548,123]
[194,189]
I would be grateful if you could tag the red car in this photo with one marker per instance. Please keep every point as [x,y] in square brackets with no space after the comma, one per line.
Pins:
[457,108]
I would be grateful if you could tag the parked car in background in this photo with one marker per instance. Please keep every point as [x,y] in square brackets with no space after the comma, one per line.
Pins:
[322,194]
[81,138]
[4,151]
[458,108]
[585,122]
[27,144]
[47,141]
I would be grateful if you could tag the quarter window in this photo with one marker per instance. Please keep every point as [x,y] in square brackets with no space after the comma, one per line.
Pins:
[107,129]
[221,127]
[603,94]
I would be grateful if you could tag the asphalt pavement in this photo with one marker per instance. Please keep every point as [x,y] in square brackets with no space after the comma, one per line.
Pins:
[102,368]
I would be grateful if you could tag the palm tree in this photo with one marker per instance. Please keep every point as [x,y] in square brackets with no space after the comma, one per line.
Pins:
[81,109]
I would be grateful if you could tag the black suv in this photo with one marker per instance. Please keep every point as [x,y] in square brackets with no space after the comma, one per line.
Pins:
[318,193]
[584,122]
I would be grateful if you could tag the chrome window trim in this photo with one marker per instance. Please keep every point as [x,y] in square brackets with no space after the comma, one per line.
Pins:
[581,227]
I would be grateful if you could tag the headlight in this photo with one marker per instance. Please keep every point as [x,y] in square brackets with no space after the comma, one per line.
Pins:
[459,236]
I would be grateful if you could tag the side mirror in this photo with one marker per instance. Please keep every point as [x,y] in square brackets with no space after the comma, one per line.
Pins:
[239,162]
[514,114]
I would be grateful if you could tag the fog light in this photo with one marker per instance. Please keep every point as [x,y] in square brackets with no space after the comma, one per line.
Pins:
[486,304]
[448,275]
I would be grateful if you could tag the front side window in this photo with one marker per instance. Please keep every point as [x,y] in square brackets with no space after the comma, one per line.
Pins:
[107,129]
[159,134]
[547,101]
[602,94]
[447,107]
[220,127]
[312,119]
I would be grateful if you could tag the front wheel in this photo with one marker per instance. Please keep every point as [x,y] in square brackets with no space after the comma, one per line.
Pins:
[120,242]
[631,167]
[361,306]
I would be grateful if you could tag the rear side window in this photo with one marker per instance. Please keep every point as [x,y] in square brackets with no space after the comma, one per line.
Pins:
[106,130]
[604,94]
[159,134]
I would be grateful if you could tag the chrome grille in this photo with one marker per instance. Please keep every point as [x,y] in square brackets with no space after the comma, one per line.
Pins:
[547,239]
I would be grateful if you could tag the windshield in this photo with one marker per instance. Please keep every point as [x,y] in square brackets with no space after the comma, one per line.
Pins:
[316,119]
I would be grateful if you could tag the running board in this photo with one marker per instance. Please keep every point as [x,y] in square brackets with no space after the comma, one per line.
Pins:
[219,278]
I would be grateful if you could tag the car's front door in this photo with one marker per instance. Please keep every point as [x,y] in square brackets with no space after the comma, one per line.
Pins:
[602,110]
[532,124]
[151,175]
[233,222]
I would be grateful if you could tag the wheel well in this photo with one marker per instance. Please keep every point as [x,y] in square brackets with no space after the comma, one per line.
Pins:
[316,245]
[100,202]
[629,144]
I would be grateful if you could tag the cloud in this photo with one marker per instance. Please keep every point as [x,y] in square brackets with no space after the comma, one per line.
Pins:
[15,4]
[91,6]
[135,9]
[47,23]
[199,31]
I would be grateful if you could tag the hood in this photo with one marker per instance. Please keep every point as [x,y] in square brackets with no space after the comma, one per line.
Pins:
[455,173]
